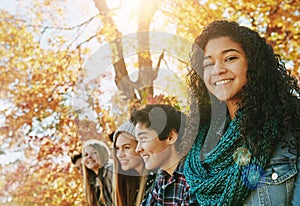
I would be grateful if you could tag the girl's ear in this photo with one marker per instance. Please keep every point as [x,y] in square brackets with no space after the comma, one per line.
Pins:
[172,137]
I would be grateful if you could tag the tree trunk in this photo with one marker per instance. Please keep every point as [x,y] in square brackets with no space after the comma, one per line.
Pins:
[147,74]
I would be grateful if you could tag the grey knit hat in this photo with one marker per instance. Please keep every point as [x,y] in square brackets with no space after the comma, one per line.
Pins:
[125,127]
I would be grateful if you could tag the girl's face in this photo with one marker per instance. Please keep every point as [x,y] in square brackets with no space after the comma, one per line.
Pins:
[125,151]
[91,158]
[225,67]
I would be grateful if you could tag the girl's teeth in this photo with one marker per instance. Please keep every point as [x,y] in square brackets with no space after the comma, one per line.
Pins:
[223,82]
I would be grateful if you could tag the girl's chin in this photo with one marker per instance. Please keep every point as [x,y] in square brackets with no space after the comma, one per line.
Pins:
[92,167]
[125,168]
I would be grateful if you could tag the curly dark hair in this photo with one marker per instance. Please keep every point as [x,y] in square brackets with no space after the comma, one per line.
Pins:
[270,93]
[161,118]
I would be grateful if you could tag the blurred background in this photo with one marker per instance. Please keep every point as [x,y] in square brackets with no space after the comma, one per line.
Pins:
[73,70]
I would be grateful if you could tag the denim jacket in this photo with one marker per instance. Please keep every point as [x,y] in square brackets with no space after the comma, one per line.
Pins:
[281,182]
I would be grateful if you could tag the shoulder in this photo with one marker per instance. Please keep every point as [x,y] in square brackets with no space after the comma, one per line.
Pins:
[106,171]
[282,165]
[180,167]
[285,148]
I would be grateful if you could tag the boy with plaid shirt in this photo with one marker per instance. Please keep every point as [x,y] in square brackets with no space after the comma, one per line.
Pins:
[159,129]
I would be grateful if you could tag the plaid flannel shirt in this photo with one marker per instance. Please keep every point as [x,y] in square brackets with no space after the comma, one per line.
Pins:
[169,190]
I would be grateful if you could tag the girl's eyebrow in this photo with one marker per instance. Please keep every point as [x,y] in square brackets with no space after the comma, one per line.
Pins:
[123,145]
[230,50]
[223,52]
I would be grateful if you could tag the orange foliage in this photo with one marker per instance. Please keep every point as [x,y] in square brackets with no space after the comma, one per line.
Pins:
[38,81]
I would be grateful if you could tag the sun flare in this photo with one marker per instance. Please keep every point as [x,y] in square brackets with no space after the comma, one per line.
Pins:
[126,13]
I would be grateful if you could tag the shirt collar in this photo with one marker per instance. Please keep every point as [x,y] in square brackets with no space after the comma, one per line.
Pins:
[177,171]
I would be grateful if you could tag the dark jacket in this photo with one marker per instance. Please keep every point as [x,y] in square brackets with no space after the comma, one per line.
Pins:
[105,176]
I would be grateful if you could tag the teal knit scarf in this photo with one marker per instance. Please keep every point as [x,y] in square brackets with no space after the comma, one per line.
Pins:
[228,173]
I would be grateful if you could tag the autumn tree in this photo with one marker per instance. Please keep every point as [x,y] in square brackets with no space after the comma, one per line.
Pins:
[277,21]
[36,84]
[43,65]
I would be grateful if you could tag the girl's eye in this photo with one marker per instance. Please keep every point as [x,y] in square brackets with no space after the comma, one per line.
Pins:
[127,147]
[207,65]
[229,59]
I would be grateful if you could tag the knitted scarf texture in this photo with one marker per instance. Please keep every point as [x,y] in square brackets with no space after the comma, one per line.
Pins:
[229,172]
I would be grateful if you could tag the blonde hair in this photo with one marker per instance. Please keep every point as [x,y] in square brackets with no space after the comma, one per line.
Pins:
[103,154]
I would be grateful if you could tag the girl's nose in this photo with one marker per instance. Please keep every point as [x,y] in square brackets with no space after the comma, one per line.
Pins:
[219,68]
[120,154]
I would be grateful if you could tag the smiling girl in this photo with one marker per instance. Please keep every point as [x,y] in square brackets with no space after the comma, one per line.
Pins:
[97,173]
[247,148]
[130,174]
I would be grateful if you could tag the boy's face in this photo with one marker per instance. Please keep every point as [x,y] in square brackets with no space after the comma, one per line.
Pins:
[155,152]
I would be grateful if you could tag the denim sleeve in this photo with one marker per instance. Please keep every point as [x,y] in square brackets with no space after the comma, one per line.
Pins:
[296,197]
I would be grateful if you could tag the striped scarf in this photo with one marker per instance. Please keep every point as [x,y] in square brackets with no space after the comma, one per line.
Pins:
[229,172]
